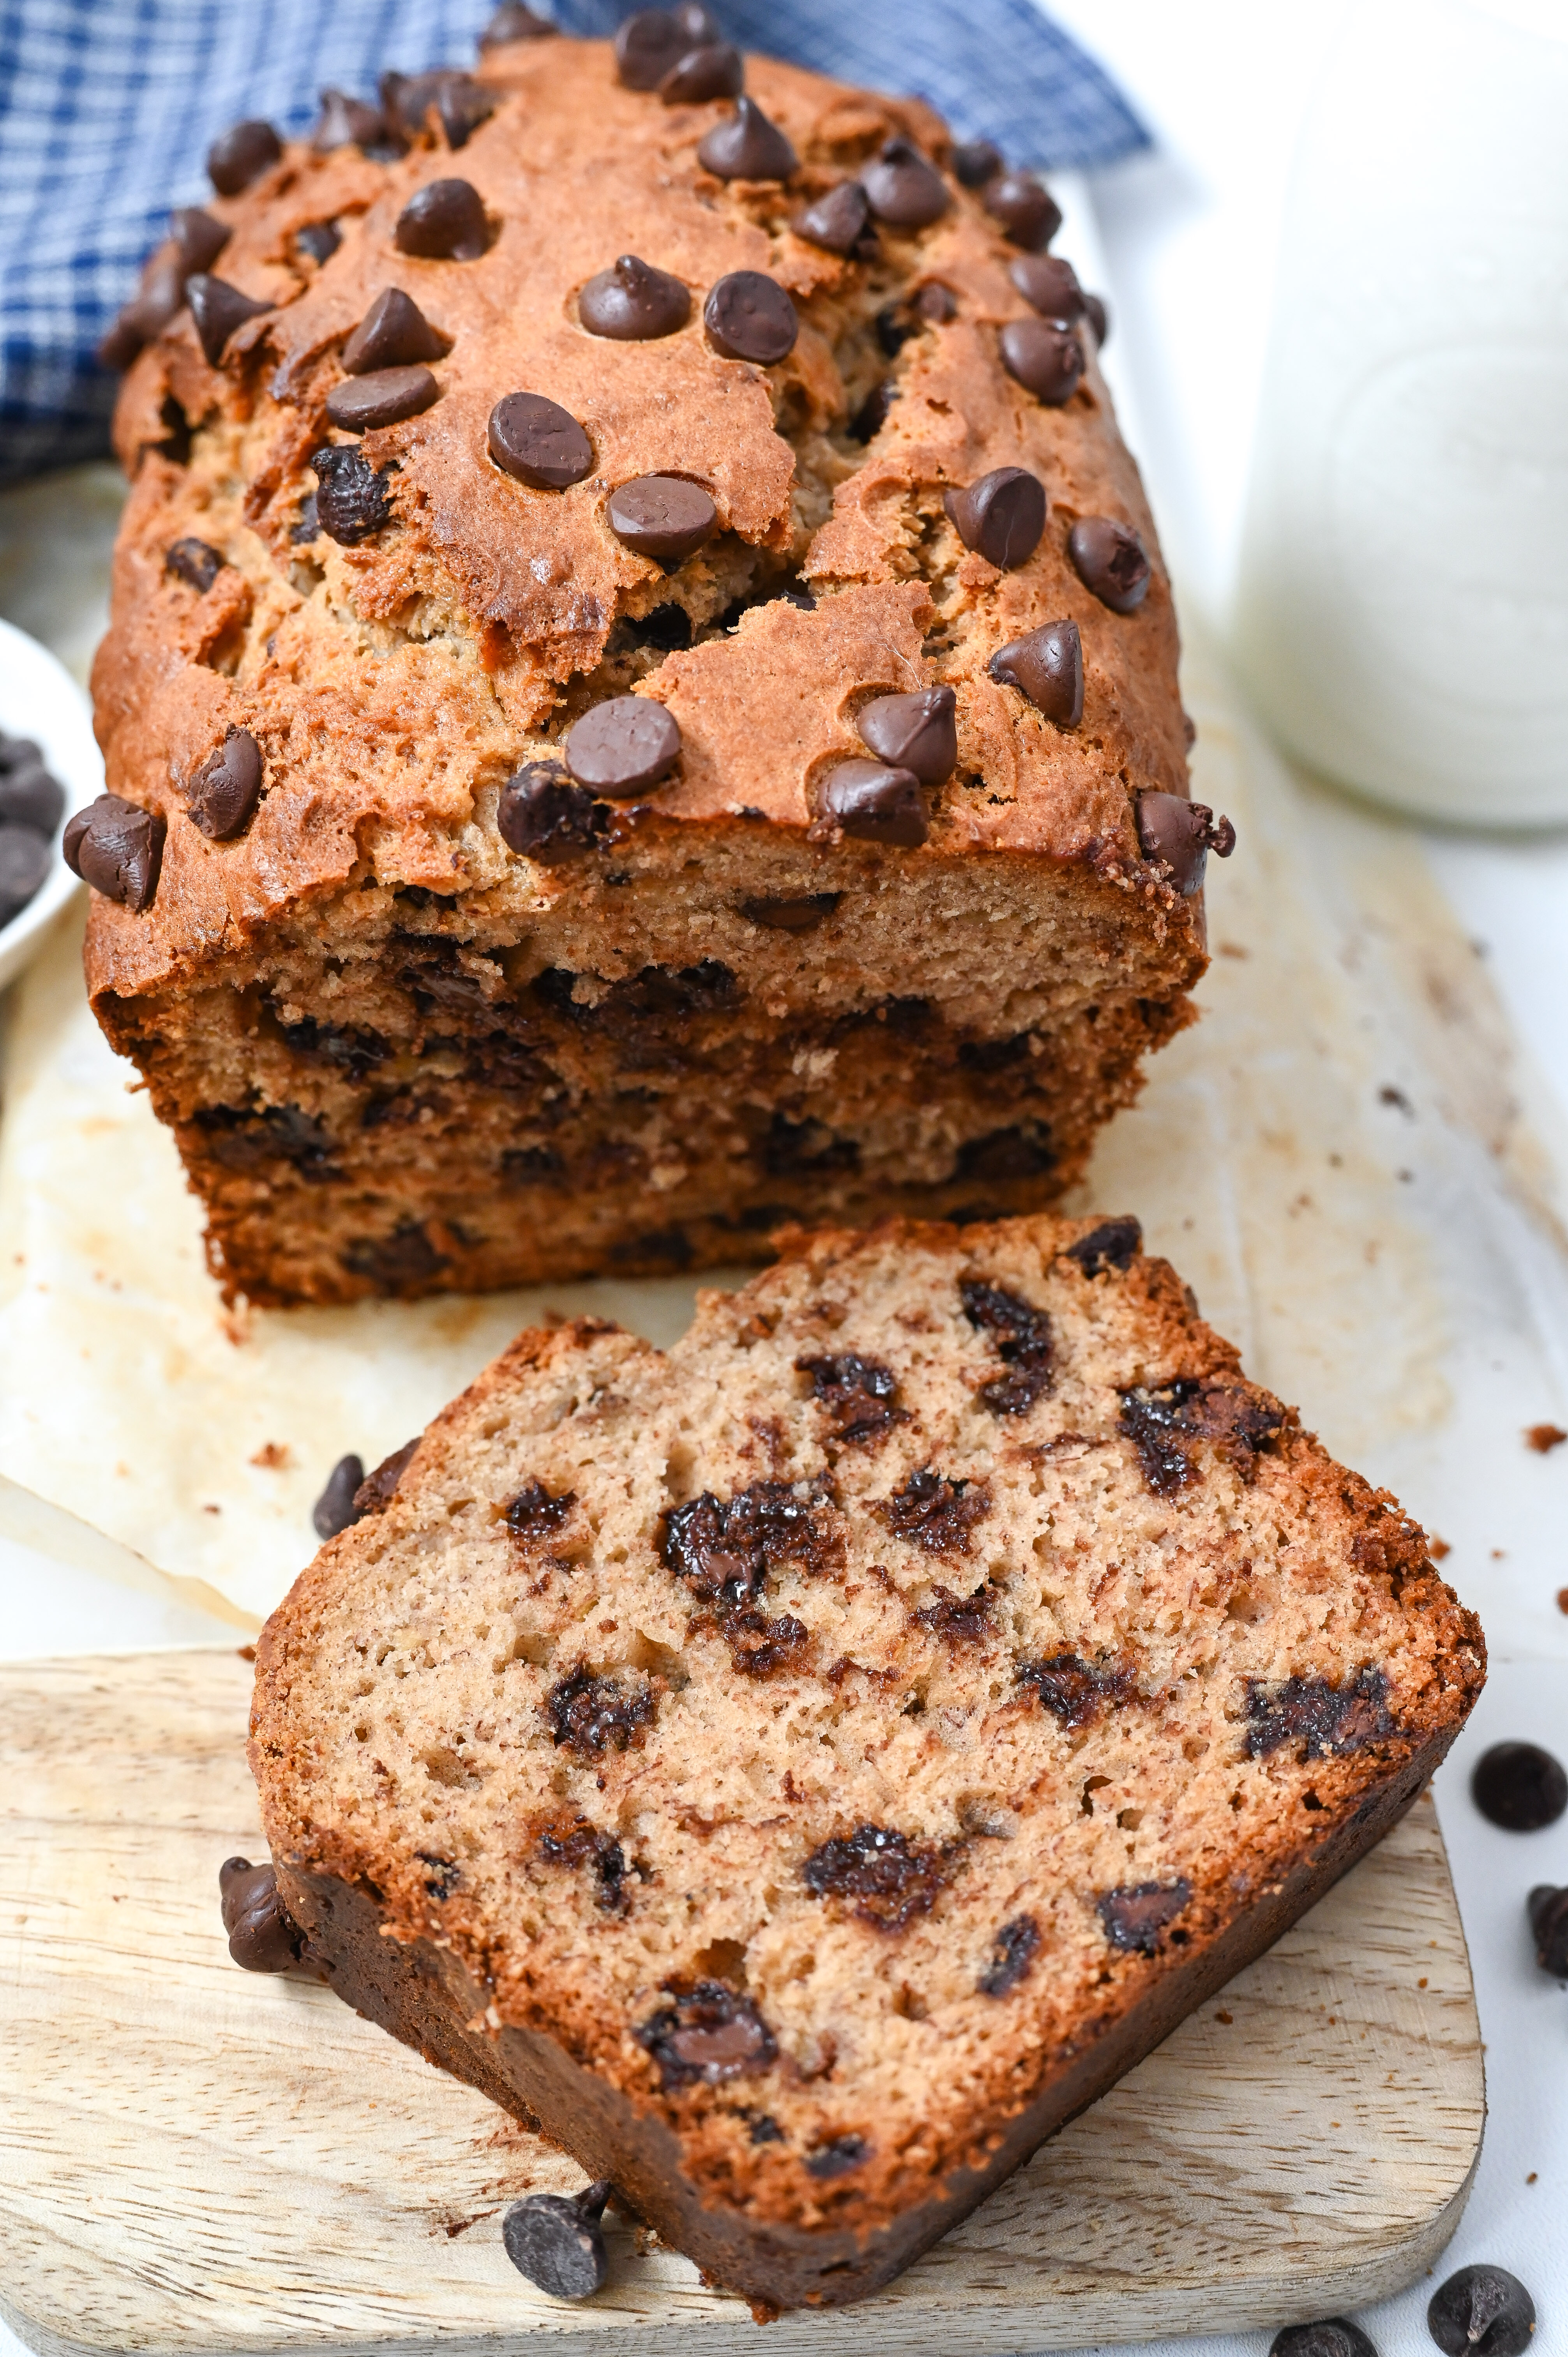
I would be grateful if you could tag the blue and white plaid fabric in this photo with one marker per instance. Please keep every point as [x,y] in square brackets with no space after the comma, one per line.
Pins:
[107,108]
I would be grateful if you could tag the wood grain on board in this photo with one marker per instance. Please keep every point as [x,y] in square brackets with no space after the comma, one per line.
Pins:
[197,2160]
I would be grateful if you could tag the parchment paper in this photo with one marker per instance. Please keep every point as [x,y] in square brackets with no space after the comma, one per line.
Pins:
[1334,1157]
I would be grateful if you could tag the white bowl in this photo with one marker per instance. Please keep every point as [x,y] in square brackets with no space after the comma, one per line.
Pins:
[39,698]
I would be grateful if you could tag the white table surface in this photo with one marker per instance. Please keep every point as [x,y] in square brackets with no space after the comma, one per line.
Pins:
[1188,239]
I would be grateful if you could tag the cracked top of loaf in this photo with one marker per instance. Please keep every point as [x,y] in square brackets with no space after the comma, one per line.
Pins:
[393,686]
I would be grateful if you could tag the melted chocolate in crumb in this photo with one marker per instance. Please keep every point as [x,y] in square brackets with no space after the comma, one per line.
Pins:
[726,1548]
[934,1513]
[882,1876]
[838,2157]
[957,1620]
[759,1646]
[1237,1418]
[858,1394]
[574,1841]
[765,2129]
[443,1876]
[1011,1955]
[533,1513]
[1024,1345]
[1135,1914]
[591,1715]
[711,2033]
[1325,1720]
[1075,1689]
[1114,1245]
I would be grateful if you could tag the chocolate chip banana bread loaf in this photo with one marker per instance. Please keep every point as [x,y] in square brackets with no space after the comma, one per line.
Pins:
[803,1768]
[640,679]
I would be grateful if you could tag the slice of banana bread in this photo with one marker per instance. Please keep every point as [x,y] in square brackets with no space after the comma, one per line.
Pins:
[802,1769]
[656,669]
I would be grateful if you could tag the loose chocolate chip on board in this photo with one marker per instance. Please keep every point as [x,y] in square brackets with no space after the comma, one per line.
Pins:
[383,397]
[542,815]
[319,240]
[837,2158]
[557,2244]
[334,1509]
[1011,1955]
[881,1876]
[859,1394]
[242,154]
[662,516]
[377,1491]
[715,71]
[917,732]
[975,161]
[195,562]
[537,442]
[1326,1721]
[393,333]
[1115,1244]
[1049,284]
[623,747]
[634,303]
[711,2033]
[874,804]
[1519,1787]
[1000,517]
[1110,558]
[1548,1910]
[514,22]
[750,316]
[1075,1691]
[223,794]
[801,916]
[1046,360]
[1335,2337]
[263,1935]
[1481,2312]
[533,1513]
[591,1715]
[839,222]
[217,309]
[1135,1914]
[443,221]
[902,189]
[346,121]
[352,500]
[1028,213]
[747,146]
[1046,667]
[933,1513]
[1178,835]
[200,238]
[117,847]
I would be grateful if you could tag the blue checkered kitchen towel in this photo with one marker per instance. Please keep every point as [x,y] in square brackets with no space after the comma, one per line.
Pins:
[107,108]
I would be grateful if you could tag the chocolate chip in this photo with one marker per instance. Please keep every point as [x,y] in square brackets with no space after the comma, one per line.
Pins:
[30,797]
[352,500]
[1178,835]
[839,222]
[1046,360]
[750,316]
[574,1841]
[872,415]
[717,69]
[1000,517]
[1327,1721]
[591,1715]
[1110,559]
[223,794]
[747,146]
[801,916]
[859,1394]
[194,561]
[538,442]
[1481,2312]
[1024,1345]
[1547,1911]
[533,1513]
[709,2035]
[1075,1691]
[384,397]
[1335,2337]
[514,22]
[461,105]
[1027,212]
[724,1550]
[217,309]
[25,860]
[1023,1150]
[1011,1955]
[1098,319]
[1239,1418]
[902,189]
[874,804]
[557,2244]
[975,161]
[1115,1244]
[443,221]
[200,238]
[393,333]
[319,240]
[837,2157]
[885,1879]
[346,121]
[1136,1913]
[622,747]
[916,732]
[118,848]
[634,303]
[764,2130]
[933,1512]
[957,1620]
[334,1509]
[241,155]
[662,516]
[648,46]
[1050,284]
[263,1935]
[1046,666]
[937,304]
[377,1491]
[542,815]
[1519,1787]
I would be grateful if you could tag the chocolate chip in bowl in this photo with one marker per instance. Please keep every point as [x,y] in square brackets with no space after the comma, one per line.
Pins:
[48,764]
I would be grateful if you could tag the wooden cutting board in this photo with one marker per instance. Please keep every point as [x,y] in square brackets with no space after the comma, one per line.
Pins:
[197,2160]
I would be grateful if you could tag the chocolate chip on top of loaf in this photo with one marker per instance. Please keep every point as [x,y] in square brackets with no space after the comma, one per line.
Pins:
[556,488]
[803,1767]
